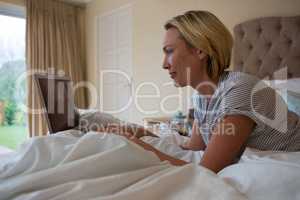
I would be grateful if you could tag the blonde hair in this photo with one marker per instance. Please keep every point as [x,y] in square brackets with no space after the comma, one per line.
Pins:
[203,30]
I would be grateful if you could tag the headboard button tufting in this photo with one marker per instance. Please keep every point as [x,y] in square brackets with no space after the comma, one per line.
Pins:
[280,60]
[250,47]
[267,44]
[259,62]
[242,34]
[259,30]
[279,27]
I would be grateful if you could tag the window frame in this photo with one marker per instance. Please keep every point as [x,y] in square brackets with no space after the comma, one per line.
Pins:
[12,10]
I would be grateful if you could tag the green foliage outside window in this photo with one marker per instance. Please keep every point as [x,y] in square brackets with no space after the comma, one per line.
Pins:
[10,73]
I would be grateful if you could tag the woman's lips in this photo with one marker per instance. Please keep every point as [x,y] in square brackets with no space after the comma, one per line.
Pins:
[173,75]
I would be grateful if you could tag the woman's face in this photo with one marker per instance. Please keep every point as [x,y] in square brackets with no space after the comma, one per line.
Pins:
[182,62]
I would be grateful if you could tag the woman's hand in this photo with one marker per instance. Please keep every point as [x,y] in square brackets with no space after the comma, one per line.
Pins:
[188,145]
[127,130]
[127,133]
[185,145]
[116,129]
[141,143]
[159,154]
[131,134]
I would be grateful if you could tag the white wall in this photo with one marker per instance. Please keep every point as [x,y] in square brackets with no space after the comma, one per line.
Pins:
[148,19]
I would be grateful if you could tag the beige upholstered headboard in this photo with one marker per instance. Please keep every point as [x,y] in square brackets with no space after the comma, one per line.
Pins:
[265,45]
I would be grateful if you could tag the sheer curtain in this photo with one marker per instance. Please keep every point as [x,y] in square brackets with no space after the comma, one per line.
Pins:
[55,43]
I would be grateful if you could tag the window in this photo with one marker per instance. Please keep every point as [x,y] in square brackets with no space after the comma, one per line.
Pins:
[13,129]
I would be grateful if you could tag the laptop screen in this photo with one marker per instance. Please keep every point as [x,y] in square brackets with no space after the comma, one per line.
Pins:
[58,101]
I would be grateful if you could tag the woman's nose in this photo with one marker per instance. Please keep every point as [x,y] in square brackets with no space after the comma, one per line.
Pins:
[166,64]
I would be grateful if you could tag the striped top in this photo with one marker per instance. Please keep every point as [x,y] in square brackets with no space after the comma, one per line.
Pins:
[276,127]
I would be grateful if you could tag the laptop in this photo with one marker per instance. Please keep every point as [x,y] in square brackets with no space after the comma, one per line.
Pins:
[56,94]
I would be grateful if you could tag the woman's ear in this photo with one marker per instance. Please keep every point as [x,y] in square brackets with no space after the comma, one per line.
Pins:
[201,54]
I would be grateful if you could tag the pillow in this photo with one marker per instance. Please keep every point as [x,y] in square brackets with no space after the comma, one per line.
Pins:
[293,102]
[289,91]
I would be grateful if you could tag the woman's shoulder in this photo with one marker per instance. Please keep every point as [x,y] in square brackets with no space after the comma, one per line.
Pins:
[235,79]
[237,76]
[244,89]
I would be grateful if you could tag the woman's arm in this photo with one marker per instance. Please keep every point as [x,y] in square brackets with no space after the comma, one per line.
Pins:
[226,142]
[159,154]
[195,143]
[127,130]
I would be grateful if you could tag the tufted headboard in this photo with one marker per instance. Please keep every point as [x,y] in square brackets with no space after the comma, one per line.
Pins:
[266,45]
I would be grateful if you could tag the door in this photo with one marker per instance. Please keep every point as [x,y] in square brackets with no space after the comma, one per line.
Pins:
[115,62]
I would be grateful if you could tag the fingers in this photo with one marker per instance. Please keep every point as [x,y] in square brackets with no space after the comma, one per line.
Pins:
[107,129]
[185,146]
[140,132]
[101,129]
[126,130]
[116,129]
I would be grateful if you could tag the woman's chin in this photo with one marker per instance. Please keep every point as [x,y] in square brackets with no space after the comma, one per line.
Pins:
[179,84]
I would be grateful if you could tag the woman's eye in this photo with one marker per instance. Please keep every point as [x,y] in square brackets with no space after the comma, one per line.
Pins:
[169,51]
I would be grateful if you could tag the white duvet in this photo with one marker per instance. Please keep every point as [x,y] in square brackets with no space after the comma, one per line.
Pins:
[260,175]
[65,167]
[96,167]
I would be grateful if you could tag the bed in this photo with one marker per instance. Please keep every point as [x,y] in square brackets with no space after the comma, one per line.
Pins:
[72,165]
[268,47]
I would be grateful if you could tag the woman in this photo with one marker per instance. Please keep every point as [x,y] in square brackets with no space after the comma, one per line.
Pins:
[229,113]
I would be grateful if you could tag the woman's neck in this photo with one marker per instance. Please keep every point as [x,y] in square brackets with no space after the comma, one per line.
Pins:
[206,86]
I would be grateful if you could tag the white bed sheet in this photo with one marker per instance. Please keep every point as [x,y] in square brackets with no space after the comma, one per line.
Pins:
[4,150]
[260,175]
[95,167]
[65,166]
